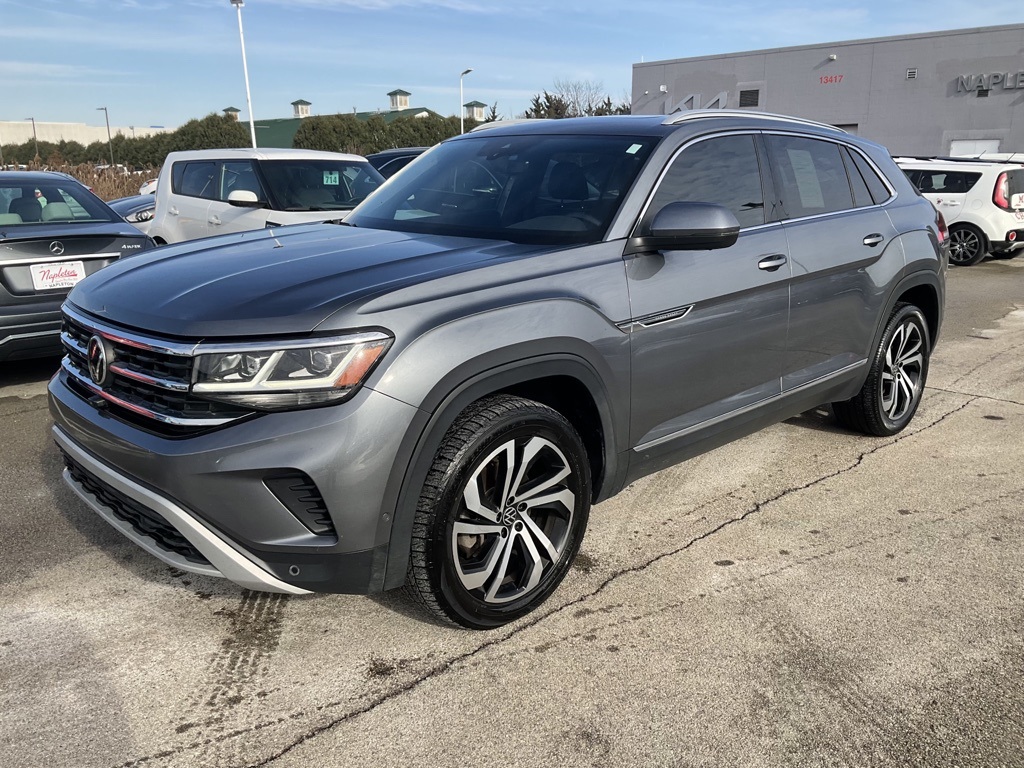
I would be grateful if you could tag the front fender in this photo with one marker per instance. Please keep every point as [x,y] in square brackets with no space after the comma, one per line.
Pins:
[452,366]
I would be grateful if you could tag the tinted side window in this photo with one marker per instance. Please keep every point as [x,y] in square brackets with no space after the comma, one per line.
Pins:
[949,182]
[812,177]
[879,192]
[723,171]
[239,176]
[861,195]
[197,180]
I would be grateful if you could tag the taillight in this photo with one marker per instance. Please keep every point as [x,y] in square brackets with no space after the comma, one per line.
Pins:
[943,229]
[1001,194]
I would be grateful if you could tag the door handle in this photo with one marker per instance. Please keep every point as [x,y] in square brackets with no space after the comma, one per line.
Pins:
[872,240]
[214,220]
[173,211]
[771,263]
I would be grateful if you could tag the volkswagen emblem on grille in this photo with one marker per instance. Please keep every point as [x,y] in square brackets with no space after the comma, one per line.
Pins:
[98,363]
[57,248]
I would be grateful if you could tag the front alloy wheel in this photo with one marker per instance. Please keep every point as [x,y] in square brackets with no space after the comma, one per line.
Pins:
[502,513]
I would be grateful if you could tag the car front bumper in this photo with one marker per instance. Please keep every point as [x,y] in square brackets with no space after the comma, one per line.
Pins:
[29,331]
[202,503]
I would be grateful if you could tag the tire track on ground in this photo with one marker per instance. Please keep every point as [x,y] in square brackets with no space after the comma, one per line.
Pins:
[458,660]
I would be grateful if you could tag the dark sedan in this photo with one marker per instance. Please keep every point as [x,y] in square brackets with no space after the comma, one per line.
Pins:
[53,232]
[137,210]
[391,161]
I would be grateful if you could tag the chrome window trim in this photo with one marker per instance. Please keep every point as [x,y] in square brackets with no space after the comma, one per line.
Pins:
[668,165]
[893,194]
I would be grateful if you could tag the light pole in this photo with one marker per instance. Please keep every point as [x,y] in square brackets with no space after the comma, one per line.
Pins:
[462,109]
[245,69]
[34,139]
[110,143]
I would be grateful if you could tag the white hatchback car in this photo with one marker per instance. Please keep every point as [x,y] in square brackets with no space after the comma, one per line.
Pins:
[982,202]
[219,191]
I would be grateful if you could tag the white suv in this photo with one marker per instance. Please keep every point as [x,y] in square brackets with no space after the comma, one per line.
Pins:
[219,191]
[981,200]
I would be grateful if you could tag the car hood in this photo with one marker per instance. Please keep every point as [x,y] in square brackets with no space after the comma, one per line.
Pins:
[275,281]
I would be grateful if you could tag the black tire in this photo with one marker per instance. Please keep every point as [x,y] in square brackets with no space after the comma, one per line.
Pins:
[967,245]
[530,546]
[896,380]
[1004,254]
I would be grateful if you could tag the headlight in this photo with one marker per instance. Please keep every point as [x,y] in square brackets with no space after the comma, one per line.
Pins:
[140,216]
[284,375]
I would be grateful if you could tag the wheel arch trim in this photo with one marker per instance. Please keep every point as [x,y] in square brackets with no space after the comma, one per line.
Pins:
[445,406]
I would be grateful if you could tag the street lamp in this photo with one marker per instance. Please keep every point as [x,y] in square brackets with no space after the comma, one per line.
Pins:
[245,69]
[34,139]
[462,109]
[110,143]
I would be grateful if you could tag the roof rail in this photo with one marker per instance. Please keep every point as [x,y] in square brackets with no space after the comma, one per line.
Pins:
[693,114]
[944,159]
[513,121]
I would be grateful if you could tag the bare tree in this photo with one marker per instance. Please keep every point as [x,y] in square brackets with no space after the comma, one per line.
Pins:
[575,98]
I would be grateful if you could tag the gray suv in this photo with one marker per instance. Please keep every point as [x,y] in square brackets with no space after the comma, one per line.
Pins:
[524,321]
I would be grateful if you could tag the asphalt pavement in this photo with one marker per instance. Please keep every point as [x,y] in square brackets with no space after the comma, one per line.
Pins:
[803,597]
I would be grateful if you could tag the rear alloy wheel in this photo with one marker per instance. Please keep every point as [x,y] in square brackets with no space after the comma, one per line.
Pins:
[502,513]
[966,246]
[899,369]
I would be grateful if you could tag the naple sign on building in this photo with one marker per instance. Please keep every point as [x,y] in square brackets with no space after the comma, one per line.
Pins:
[1006,80]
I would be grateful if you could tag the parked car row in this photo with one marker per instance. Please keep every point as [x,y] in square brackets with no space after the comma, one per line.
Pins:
[521,323]
[981,200]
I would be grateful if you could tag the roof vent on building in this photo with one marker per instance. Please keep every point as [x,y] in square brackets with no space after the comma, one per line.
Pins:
[912,73]
[750,98]
[983,93]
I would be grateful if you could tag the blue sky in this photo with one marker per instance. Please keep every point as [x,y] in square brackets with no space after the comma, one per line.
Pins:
[155,62]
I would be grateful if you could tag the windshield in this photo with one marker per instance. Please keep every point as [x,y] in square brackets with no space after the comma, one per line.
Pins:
[319,185]
[530,189]
[46,201]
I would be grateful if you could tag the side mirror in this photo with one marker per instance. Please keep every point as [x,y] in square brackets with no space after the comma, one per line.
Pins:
[244,198]
[688,227]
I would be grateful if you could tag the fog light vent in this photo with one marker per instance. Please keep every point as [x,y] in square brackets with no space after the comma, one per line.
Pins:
[297,491]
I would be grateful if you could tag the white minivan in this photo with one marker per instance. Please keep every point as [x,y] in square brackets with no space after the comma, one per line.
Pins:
[219,191]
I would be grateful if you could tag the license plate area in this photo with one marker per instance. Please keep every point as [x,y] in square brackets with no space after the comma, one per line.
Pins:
[57,275]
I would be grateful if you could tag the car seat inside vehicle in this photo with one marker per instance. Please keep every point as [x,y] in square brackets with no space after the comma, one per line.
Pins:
[57,212]
[28,208]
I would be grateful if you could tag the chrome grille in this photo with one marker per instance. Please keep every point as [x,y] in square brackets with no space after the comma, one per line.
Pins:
[149,382]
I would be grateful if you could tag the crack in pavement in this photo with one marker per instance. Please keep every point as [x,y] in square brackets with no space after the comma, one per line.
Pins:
[449,664]
[985,362]
[753,578]
[976,395]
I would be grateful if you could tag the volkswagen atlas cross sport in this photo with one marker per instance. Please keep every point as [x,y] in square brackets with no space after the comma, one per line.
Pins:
[519,324]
